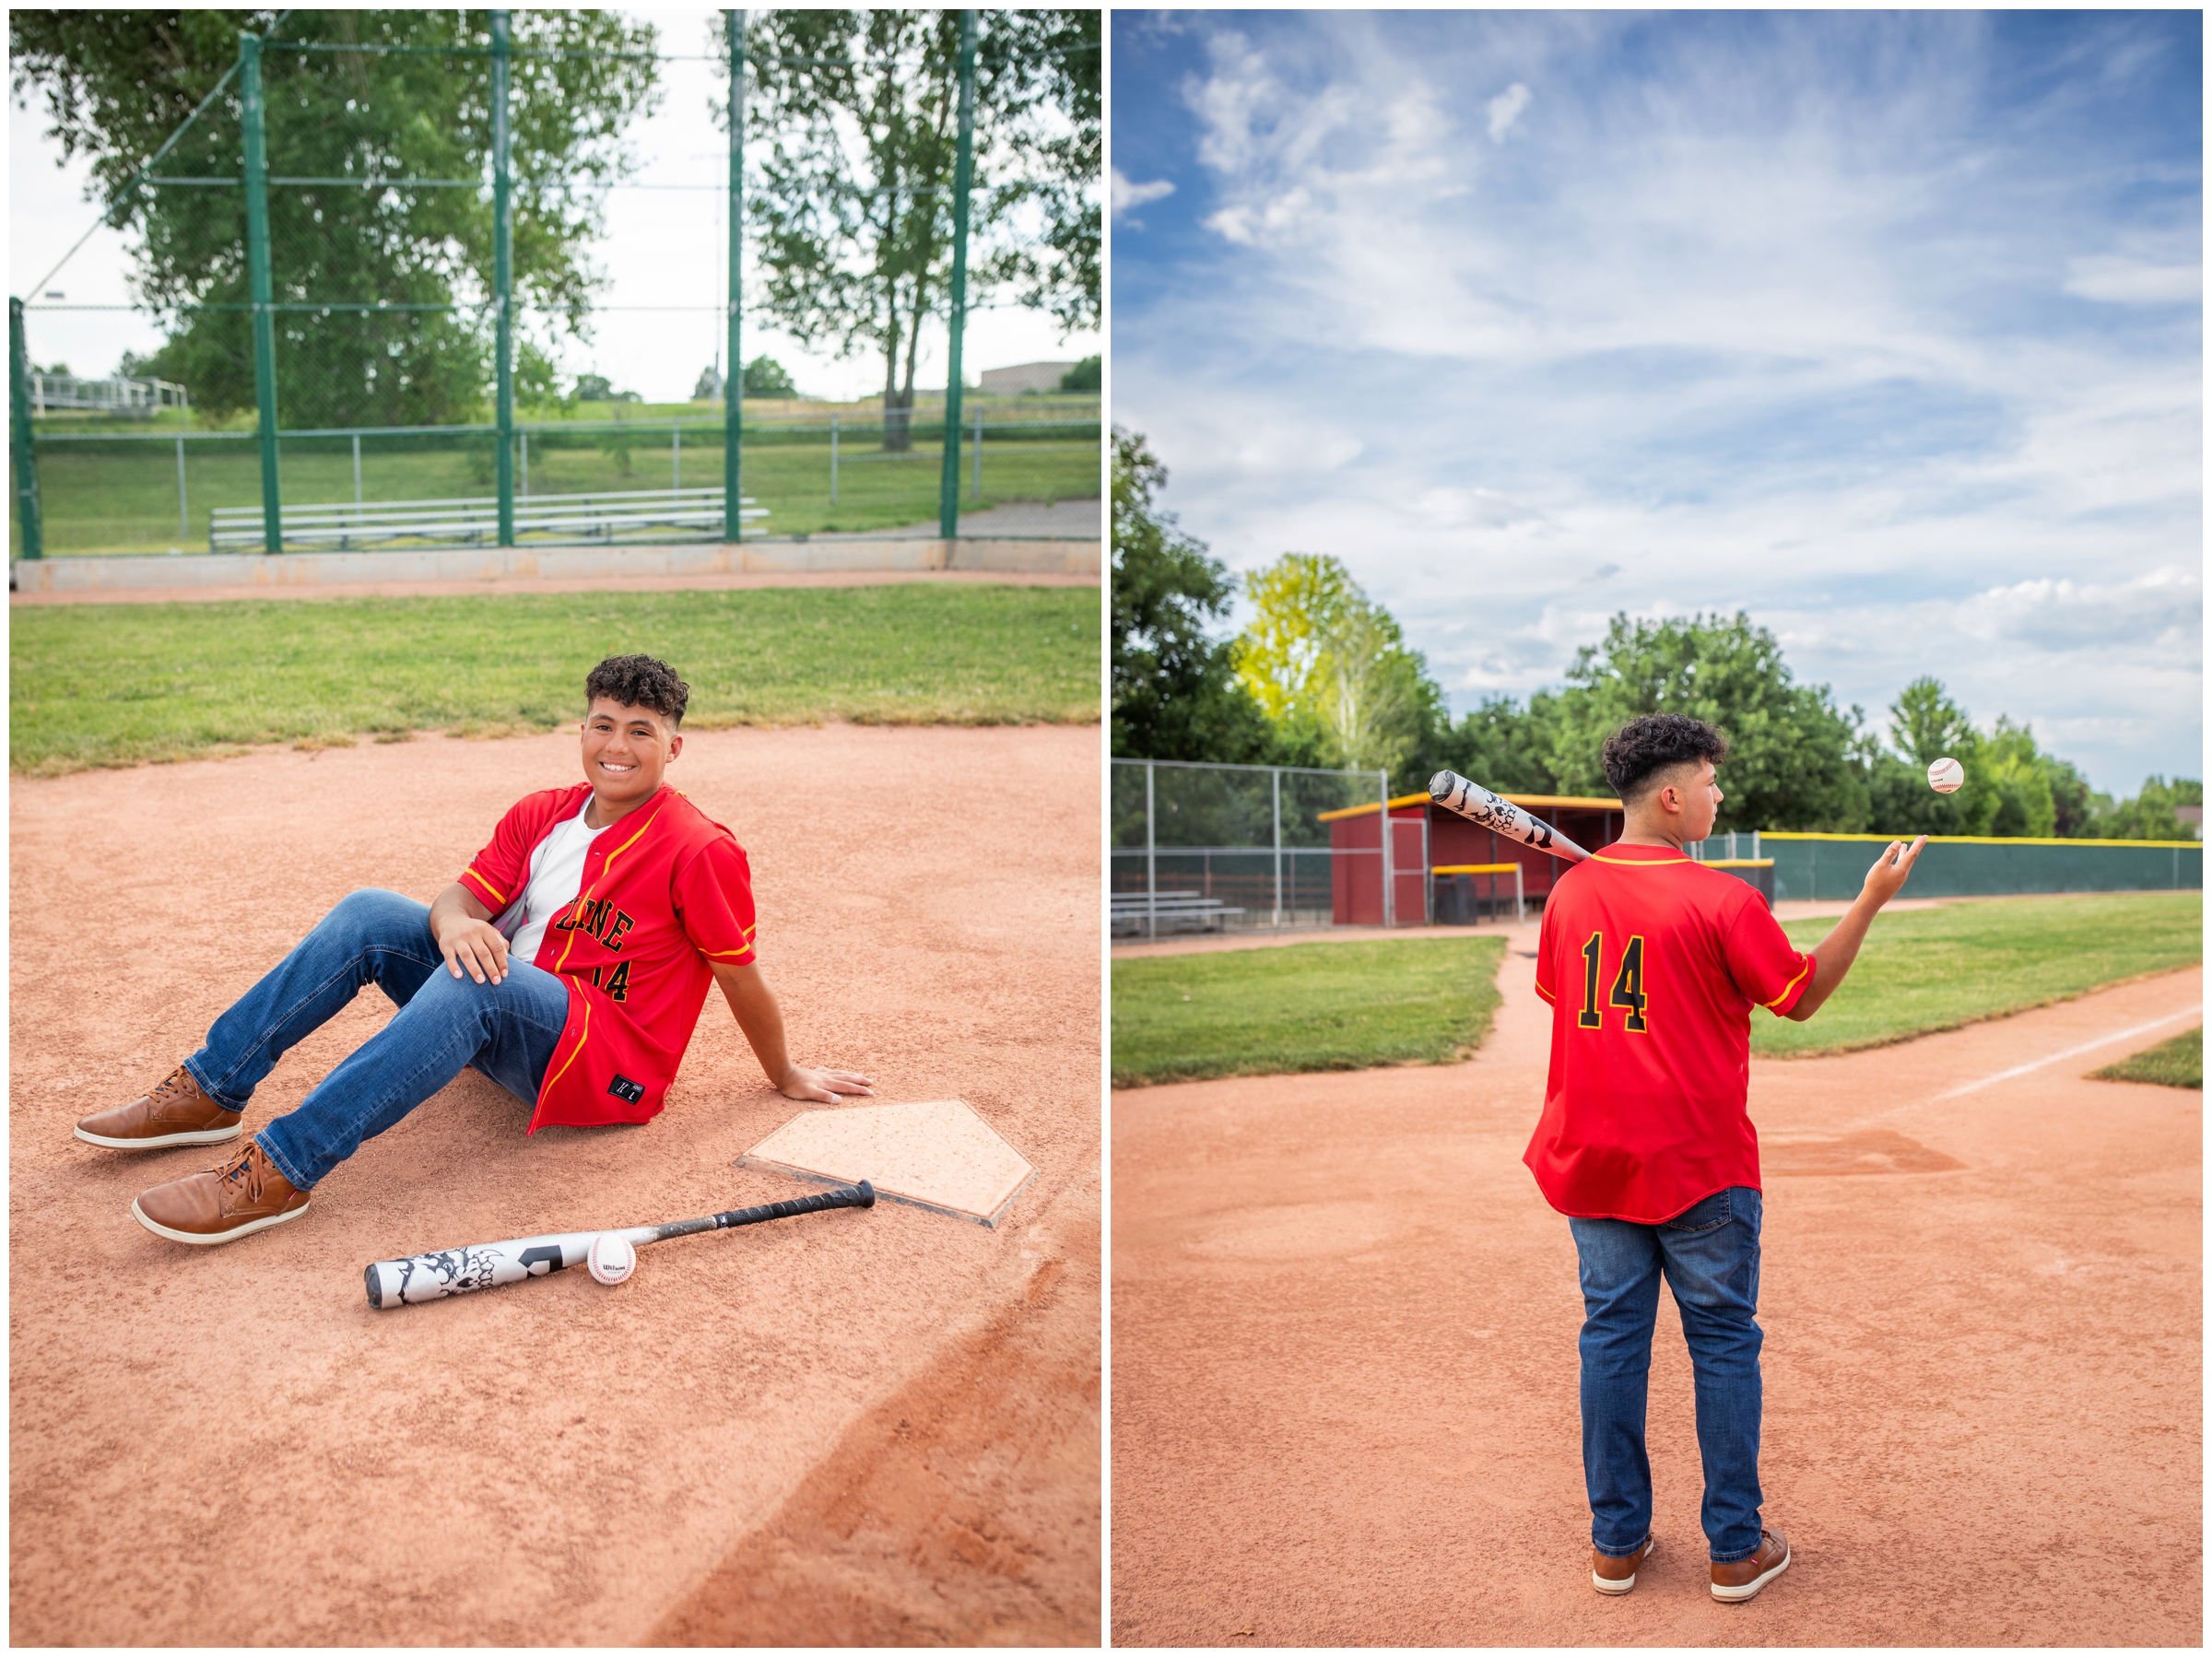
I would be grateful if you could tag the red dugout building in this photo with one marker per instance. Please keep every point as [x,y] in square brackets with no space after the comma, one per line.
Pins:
[1425,838]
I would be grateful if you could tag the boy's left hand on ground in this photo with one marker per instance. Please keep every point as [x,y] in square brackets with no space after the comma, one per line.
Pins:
[824,1087]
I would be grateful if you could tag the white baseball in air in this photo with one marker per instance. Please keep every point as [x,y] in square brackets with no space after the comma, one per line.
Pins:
[612,1260]
[1946,775]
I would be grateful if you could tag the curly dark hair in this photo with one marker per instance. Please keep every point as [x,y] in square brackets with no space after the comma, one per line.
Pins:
[639,682]
[1640,750]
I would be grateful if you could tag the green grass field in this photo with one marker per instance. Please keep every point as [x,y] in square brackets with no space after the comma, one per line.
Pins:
[1934,969]
[115,684]
[106,498]
[2179,1063]
[1302,1006]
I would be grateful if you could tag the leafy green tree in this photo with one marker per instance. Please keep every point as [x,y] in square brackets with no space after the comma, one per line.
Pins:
[1087,376]
[853,212]
[1323,660]
[1174,694]
[2151,815]
[116,84]
[1498,744]
[1788,763]
[765,377]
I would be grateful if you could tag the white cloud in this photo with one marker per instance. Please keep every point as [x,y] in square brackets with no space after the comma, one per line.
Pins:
[2113,281]
[1505,108]
[2157,617]
[1128,195]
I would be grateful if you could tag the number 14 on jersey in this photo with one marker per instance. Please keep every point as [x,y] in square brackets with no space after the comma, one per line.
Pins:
[1628,984]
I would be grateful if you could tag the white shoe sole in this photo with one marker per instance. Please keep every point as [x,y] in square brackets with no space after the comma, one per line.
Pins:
[1622,1584]
[200,1240]
[197,1136]
[1737,1596]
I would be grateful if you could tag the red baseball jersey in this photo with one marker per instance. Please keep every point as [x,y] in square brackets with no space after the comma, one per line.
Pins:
[665,890]
[1653,965]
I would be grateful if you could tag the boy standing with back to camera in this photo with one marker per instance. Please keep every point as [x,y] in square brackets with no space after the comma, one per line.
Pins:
[1653,965]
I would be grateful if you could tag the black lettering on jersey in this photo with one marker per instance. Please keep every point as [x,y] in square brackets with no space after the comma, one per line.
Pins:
[614,933]
[622,1087]
[617,984]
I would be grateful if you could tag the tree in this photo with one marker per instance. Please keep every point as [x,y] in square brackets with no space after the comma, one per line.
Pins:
[597,388]
[1087,376]
[118,84]
[765,377]
[1174,695]
[707,387]
[1498,744]
[2151,815]
[1059,270]
[1787,766]
[853,213]
[1329,666]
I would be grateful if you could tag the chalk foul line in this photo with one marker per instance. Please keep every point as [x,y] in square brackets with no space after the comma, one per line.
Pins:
[2073,1052]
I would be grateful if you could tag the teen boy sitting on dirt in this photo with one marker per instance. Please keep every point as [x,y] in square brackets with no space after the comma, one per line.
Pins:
[576,950]
[1653,965]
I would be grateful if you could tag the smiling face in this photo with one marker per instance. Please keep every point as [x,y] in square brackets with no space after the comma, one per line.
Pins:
[625,752]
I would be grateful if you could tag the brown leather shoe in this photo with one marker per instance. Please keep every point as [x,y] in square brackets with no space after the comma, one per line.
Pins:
[1738,1579]
[1609,1574]
[176,1112]
[244,1194]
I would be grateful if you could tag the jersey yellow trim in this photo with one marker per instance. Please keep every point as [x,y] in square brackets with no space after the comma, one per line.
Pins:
[1548,995]
[1638,862]
[582,1036]
[470,874]
[1474,868]
[1771,1005]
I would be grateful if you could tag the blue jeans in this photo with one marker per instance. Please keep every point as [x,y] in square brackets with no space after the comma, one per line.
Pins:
[444,1025]
[1709,1254]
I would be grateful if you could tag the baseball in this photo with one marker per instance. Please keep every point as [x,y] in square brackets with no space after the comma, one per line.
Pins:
[1946,775]
[612,1260]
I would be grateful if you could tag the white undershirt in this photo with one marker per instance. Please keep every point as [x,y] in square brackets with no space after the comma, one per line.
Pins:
[556,876]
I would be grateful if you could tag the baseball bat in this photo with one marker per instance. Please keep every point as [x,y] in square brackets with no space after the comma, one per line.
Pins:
[1478,804]
[487,1266]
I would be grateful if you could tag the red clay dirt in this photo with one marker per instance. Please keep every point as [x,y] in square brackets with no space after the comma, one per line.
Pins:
[228,1446]
[1345,1369]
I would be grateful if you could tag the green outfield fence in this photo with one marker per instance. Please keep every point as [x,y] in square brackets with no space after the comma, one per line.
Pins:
[1824,866]
[334,384]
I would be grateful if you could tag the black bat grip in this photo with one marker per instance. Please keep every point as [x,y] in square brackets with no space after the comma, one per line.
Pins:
[859,1196]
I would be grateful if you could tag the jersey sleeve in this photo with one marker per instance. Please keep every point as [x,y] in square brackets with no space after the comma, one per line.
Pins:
[1547,978]
[496,875]
[714,902]
[1767,968]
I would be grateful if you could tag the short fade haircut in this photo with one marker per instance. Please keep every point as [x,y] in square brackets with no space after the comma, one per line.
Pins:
[639,682]
[1640,750]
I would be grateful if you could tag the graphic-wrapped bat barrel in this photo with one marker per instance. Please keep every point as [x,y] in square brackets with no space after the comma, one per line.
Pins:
[487,1266]
[1478,804]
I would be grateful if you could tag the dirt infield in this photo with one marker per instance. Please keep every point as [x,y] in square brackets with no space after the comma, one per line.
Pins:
[1344,1369]
[889,1420]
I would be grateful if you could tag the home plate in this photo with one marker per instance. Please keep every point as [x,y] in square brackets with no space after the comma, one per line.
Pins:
[940,1154]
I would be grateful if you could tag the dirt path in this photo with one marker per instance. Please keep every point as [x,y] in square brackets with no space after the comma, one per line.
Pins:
[229,1447]
[1345,1369]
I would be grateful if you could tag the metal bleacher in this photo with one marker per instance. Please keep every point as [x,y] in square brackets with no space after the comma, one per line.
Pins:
[545,519]
[1137,914]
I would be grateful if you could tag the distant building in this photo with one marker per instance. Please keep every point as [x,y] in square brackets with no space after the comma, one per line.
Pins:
[1024,377]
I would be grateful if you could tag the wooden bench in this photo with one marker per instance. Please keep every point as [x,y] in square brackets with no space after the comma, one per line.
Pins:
[348,527]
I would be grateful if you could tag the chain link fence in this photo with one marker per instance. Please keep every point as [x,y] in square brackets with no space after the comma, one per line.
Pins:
[370,259]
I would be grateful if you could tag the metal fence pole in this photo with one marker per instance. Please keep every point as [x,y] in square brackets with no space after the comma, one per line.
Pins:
[948,485]
[1390,894]
[832,460]
[1152,865]
[264,291]
[978,491]
[502,261]
[357,468]
[183,512]
[525,478]
[1276,778]
[733,388]
[676,459]
[18,425]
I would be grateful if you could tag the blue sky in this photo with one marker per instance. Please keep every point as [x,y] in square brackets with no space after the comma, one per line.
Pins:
[1885,328]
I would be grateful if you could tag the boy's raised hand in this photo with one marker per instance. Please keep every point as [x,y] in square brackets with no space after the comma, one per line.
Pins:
[1892,869]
